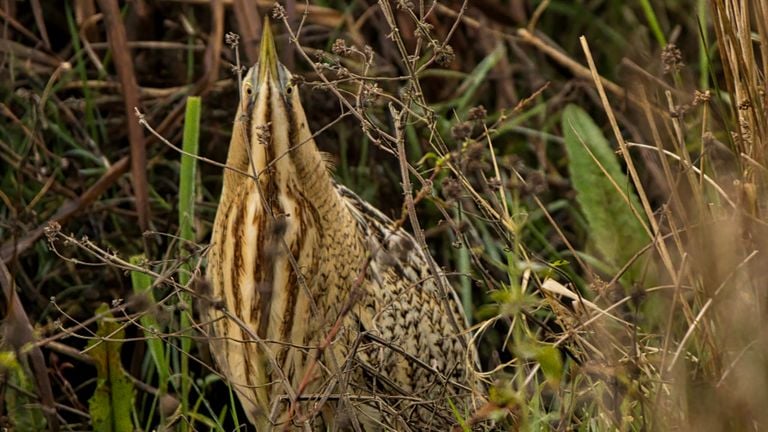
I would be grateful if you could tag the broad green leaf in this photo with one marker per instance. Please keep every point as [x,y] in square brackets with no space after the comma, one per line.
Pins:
[110,405]
[614,229]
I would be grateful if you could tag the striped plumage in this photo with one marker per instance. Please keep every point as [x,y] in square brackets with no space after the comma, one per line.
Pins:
[296,261]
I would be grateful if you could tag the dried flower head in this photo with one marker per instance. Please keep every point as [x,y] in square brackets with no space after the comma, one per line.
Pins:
[278,12]
[451,189]
[474,154]
[444,55]
[232,39]
[700,97]
[461,131]
[52,230]
[340,47]
[672,58]
[369,94]
[477,113]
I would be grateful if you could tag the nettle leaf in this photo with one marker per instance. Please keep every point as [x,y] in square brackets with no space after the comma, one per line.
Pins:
[110,405]
[614,229]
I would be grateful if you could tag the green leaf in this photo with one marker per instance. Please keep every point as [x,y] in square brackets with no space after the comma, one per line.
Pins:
[142,285]
[190,144]
[546,355]
[110,405]
[614,229]
[24,412]
[551,364]
[469,87]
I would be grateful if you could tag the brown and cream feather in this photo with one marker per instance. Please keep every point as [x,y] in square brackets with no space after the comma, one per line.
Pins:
[321,297]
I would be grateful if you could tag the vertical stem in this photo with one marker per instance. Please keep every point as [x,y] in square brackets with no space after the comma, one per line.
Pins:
[465,269]
[186,231]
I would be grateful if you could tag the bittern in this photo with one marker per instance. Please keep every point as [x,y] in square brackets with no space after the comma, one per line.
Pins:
[326,314]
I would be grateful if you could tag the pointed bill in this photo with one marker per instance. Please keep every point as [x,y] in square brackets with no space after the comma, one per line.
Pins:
[268,55]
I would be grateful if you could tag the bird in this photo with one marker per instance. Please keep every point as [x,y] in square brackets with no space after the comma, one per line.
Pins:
[324,314]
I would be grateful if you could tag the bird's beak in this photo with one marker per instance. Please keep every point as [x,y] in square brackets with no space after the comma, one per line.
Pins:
[268,57]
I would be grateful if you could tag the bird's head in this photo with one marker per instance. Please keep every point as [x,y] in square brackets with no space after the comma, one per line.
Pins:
[271,139]
[270,108]
[268,83]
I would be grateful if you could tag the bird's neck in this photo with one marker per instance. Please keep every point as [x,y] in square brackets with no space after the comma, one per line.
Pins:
[284,160]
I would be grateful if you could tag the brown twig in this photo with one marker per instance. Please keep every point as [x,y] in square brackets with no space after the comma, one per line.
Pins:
[126,74]
[323,16]
[12,247]
[37,11]
[18,332]
[18,26]
[249,25]
[26,53]
[84,9]
[213,53]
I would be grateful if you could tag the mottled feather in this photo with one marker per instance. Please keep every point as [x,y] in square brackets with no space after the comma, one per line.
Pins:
[323,313]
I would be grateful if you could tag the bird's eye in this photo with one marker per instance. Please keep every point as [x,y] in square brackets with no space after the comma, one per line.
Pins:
[289,89]
[248,90]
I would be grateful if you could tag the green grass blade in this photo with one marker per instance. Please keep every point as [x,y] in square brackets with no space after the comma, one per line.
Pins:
[470,86]
[613,228]
[187,177]
[464,267]
[142,285]
[650,15]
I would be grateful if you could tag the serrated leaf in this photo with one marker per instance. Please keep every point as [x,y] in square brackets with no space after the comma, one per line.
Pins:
[110,405]
[614,229]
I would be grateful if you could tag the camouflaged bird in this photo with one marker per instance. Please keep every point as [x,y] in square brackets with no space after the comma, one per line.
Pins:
[324,315]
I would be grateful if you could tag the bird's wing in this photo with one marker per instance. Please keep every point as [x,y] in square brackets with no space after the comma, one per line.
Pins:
[406,308]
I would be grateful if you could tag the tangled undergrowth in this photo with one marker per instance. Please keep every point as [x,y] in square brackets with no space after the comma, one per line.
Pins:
[598,202]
